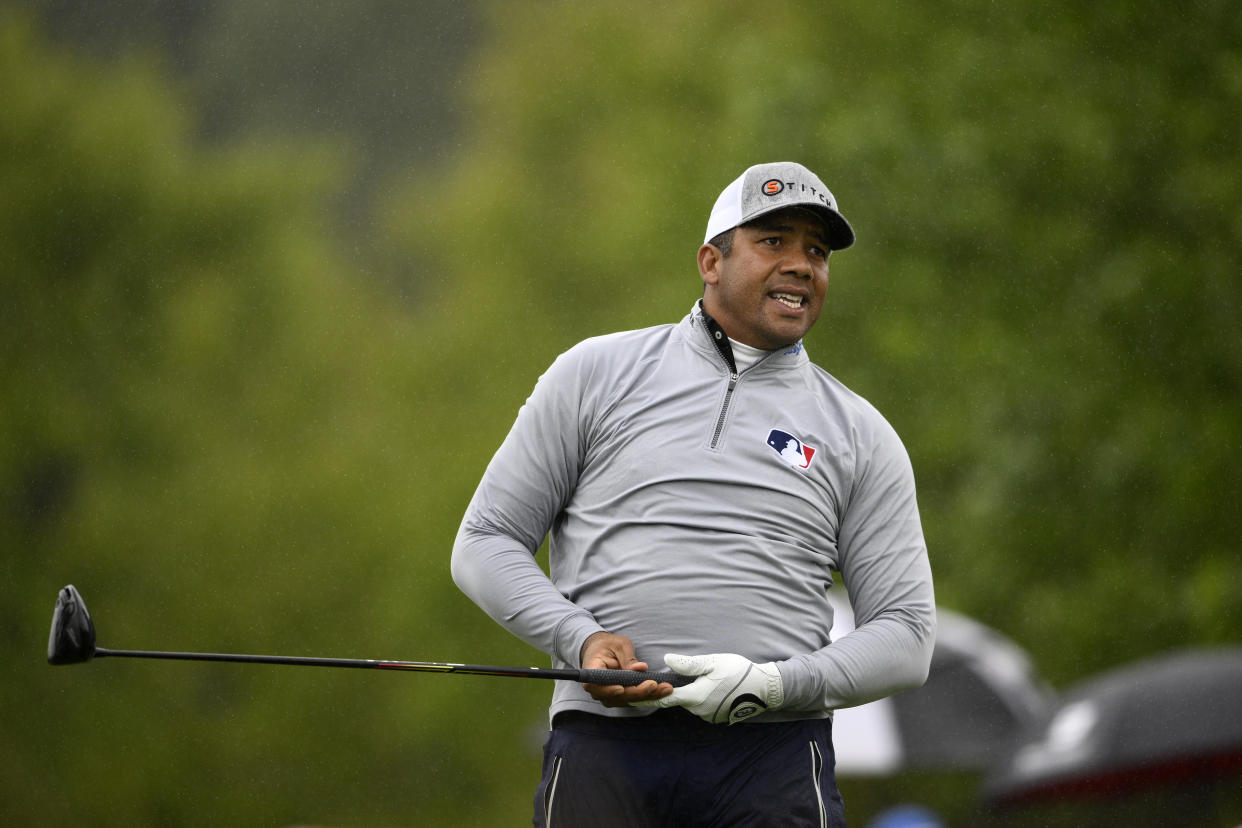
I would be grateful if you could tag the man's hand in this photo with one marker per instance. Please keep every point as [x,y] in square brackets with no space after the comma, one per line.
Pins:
[609,651]
[729,687]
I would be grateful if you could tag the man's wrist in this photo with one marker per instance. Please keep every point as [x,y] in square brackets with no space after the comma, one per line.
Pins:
[582,650]
[571,635]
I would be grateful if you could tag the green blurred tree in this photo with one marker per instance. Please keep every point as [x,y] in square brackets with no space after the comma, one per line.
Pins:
[376,77]
[217,430]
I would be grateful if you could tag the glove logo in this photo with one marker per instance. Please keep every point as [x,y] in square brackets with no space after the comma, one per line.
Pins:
[745,706]
[792,450]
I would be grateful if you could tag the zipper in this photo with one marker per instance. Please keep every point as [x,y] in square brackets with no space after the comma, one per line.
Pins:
[734,375]
[724,408]
[731,369]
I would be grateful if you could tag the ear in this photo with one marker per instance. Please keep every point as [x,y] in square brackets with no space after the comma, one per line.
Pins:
[709,264]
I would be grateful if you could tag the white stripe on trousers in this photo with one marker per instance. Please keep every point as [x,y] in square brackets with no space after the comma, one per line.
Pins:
[817,766]
[550,794]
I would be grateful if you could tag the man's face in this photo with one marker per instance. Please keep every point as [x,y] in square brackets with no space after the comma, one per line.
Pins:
[770,290]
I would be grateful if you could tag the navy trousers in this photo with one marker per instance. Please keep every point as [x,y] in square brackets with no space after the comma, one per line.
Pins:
[673,770]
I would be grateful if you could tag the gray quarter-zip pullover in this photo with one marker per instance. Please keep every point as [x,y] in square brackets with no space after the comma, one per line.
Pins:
[696,509]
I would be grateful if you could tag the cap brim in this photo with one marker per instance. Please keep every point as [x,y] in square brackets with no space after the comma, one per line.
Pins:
[840,233]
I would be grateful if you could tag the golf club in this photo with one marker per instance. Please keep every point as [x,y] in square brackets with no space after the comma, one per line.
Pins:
[72,641]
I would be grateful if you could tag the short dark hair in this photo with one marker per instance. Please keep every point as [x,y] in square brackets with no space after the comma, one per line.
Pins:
[723,242]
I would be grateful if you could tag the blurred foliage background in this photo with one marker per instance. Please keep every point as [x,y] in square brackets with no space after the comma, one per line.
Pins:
[277,276]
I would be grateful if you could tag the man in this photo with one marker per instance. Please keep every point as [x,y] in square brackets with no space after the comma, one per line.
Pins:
[701,482]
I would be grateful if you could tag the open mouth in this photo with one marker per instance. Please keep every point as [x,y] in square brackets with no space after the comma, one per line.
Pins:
[789,300]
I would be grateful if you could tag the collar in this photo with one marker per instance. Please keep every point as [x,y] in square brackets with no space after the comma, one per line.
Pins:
[700,317]
[719,338]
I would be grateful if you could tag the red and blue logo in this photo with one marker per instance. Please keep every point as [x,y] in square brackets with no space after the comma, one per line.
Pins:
[792,450]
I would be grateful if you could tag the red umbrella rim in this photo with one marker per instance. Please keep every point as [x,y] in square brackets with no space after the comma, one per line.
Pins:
[1122,781]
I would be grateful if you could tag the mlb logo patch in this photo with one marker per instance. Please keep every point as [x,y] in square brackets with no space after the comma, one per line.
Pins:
[792,450]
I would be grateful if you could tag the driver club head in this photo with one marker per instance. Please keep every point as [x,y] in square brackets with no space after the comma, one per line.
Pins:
[72,640]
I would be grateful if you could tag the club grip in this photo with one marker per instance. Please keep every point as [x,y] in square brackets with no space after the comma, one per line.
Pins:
[630,678]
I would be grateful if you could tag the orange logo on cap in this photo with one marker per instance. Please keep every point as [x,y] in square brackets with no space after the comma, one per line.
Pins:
[772,186]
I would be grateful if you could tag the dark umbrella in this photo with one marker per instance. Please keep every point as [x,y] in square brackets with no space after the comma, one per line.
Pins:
[1161,721]
[982,692]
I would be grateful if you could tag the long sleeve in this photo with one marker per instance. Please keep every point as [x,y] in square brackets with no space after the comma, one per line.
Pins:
[525,487]
[884,563]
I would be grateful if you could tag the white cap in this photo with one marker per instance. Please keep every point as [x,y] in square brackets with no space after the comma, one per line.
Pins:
[767,187]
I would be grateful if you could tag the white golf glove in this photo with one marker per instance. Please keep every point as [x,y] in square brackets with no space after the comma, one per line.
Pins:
[729,687]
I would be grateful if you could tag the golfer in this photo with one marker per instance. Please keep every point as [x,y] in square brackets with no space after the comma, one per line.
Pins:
[701,483]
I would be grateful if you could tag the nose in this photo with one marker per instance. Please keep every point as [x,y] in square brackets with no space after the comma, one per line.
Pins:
[798,263]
